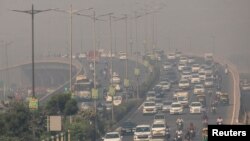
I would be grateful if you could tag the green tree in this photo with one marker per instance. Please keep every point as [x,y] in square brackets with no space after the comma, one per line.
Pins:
[82,130]
[57,105]
[71,107]
[16,123]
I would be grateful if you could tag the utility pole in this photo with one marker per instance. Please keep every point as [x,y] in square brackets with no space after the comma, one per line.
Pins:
[71,12]
[111,62]
[94,43]
[32,12]
[125,18]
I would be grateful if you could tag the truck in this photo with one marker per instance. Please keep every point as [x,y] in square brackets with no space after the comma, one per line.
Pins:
[82,88]
[93,56]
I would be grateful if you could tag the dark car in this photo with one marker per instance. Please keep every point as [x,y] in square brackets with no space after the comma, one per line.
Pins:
[127,128]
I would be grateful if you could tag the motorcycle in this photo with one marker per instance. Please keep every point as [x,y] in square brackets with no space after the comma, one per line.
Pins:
[178,137]
[213,109]
[205,123]
[180,125]
[192,133]
[167,133]
[226,71]
[219,123]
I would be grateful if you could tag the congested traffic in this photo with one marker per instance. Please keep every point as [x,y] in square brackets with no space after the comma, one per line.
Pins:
[188,96]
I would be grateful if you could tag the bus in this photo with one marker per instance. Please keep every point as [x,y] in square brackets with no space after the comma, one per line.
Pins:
[82,88]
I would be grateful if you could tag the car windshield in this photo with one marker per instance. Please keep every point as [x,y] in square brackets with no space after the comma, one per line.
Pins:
[142,129]
[198,87]
[159,117]
[158,126]
[182,98]
[195,104]
[167,103]
[128,124]
[209,79]
[111,136]
[176,105]
[184,81]
[149,104]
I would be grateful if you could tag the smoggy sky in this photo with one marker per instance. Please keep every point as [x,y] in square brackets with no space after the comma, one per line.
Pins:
[219,26]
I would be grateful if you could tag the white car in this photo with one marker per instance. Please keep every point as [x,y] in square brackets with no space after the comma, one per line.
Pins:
[158,104]
[184,84]
[122,55]
[160,118]
[151,96]
[195,79]
[209,82]
[166,106]
[142,133]
[112,136]
[183,60]
[176,108]
[158,129]
[165,85]
[171,56]
[149,107]
[195,68]
[115,79]
[208,70]
[202,75]
[191,60]
[195,107]
[181,66]
[82,55]
[199,89]
[167,66]
[186,75]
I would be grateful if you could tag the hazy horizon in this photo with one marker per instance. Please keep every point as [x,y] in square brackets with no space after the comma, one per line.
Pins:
[220,26]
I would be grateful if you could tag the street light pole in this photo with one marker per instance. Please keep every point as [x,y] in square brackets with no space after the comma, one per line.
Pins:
[136,44]
[70,72]
[111,61]
[32,12]
[71,12]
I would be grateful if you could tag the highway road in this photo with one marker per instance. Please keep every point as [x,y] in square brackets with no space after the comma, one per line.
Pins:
[118,67]
[223,111]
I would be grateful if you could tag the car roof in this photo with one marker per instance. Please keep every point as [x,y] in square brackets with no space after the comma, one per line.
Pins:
[159,122]
[112,133]
[143,125]
[196,102]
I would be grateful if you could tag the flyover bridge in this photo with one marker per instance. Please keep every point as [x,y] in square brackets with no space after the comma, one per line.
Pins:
[50,73]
